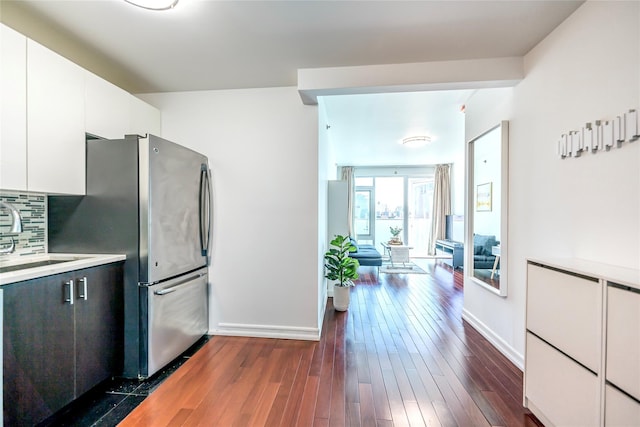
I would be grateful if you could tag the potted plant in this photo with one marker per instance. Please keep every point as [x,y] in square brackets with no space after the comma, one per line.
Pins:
[339,266]
[395,236]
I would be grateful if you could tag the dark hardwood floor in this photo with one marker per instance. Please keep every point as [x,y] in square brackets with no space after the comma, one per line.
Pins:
[400,356]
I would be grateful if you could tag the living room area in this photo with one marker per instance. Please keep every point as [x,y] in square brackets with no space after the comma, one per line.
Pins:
[407,196]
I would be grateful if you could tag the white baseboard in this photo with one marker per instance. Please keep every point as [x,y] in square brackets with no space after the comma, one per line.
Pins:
[267,331]
[503,347]
[323,310]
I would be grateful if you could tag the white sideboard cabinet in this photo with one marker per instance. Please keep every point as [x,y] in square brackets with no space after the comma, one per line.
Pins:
[622,393]
[582,355]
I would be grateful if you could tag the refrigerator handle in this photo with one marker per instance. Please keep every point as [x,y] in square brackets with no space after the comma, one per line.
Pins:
[205,210]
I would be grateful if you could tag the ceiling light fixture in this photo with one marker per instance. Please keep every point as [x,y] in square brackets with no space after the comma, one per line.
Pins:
[416,141]
[154,4]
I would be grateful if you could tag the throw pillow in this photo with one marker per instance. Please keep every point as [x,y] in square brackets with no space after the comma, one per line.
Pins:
[354,243]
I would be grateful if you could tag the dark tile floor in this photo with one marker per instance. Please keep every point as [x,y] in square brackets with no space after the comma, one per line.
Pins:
[112,401]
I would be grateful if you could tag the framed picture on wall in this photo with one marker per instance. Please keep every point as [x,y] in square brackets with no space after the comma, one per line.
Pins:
[483,197]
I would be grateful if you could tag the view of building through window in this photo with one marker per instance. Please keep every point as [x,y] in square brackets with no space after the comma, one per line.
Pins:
[382,202]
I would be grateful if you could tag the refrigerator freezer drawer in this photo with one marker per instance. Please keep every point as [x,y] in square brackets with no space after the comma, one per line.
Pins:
[178,317]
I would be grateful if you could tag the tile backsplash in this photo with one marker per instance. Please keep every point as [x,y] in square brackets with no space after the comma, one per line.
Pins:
[33,210]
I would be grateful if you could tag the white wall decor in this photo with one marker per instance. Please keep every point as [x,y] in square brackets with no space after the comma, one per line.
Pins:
[576,143]
[631,125]
[618,130]
[607,134]
[587,137]
[562,146]
[597,136]
[602,134]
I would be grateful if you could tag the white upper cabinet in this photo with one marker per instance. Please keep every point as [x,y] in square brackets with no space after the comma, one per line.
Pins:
[107,108]
[47,104]
[113,113]
[55,122]
[13,110]
[145,118]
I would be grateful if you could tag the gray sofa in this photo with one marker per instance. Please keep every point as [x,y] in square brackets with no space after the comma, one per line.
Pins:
[367,255]
[482,256]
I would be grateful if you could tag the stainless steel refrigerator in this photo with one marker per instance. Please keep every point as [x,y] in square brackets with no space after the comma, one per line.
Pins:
[150,199]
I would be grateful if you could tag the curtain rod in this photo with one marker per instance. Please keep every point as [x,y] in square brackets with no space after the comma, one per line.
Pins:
[392,166]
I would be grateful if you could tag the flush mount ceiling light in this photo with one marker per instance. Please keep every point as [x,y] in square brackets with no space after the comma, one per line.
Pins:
[416,141]
[154,4]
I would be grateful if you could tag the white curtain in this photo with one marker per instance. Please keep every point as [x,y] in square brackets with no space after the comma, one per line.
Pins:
[441,205]
[347,175]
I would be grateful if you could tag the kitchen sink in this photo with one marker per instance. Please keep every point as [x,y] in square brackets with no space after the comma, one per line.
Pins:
[34,261]
[27,267]
[35,264]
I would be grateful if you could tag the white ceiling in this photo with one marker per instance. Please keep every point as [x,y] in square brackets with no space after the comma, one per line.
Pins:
[212,44]
[366,129]
[209,44]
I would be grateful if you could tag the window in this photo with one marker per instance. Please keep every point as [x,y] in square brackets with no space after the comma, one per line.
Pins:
[398,197]
[362,213]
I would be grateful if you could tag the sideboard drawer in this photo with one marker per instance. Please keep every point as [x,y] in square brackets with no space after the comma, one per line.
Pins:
[623,340]
[577,332]
[620,409]
[567,392]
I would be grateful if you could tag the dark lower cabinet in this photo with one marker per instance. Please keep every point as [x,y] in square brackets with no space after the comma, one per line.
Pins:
[62,335]
[99,328]
[38,352]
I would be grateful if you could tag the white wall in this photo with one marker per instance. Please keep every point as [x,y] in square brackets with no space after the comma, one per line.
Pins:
[262,146]
[326,172]
[457,182]
[586,207]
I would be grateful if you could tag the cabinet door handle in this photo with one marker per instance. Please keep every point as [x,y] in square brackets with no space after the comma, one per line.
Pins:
[82,290]
[69,297]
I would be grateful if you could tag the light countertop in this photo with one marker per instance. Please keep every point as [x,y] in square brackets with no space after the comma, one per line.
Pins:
[71,262]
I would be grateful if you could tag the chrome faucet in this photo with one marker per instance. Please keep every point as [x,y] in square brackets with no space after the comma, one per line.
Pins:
[16,225]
